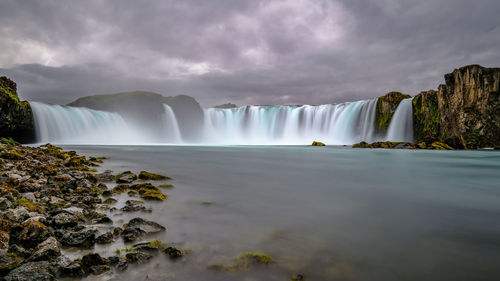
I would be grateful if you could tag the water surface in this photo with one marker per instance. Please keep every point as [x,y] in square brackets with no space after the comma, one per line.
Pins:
[329,213]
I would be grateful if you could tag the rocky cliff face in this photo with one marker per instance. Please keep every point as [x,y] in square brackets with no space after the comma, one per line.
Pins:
[146,109]
[464,112]
[386,106]
[16,117]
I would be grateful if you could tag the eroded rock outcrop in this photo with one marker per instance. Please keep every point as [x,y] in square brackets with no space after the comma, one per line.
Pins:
[386,106]
[16,117]
[464,112]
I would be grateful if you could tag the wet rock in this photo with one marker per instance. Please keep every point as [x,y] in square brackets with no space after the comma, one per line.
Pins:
[30,233]
[82,238]
[19,251]
[131,234]
[151,247]
[145,225]
[5,204]
[110,201]
[18,214]
[143,175]
[102,220]
[65,219]
[64,267]
[317,143]
[107,176]
[94,264]
[113,260]
[8,192]
[154,195]
[105,238]
[4,239]
[405,145]
[107,193]
[120,188]
[49,249]
[134,206]
[173,252]
[9,261]
[138,257]
[126,177]
[122,265]
[31,271]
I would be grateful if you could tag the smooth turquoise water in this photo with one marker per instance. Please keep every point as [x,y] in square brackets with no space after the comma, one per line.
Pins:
[329,213]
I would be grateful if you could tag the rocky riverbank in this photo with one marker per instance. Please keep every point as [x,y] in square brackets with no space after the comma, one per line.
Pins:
[52,200]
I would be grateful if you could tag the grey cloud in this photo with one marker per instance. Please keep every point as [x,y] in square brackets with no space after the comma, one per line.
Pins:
[247,52]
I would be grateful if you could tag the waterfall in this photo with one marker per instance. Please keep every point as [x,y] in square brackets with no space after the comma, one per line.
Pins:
[75,125]
[171,127]
[345,123]
[401,127]
[333,124]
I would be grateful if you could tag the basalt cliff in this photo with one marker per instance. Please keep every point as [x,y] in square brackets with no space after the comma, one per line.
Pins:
[16,117]
[463,113]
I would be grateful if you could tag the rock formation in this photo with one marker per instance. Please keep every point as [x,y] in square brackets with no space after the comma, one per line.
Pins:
[464,112]
[16,117]
[386,106]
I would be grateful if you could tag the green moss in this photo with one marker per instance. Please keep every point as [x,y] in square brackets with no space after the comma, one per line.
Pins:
[317,143]
[153,195]
[143,175]
[256,257]
[426,117]
[386,106]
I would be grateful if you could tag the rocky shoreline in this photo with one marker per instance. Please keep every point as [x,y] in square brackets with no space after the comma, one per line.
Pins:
[51,200]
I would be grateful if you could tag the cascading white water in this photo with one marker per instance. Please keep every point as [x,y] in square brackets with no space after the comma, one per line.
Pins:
[339,124]
[171,126]
[401,127]
[74,125]
[345,123]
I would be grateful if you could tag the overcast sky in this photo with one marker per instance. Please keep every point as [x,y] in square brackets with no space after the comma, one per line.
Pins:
[243,51]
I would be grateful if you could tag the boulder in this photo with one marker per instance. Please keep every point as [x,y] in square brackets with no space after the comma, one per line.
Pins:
[29,234]
[82,238]
[64,219]
[317,143]
[49,249]
[138,257]
[145,225]
[94,264]
[126,177]
[31,271]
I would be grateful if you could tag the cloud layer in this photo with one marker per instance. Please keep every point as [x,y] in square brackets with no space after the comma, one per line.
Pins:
[246,52]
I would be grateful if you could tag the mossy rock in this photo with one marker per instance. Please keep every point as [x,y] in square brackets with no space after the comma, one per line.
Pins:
[386,107]
[120,188]
[441,146]
[154,195]
[11,155]
[143,175]
[317,143]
